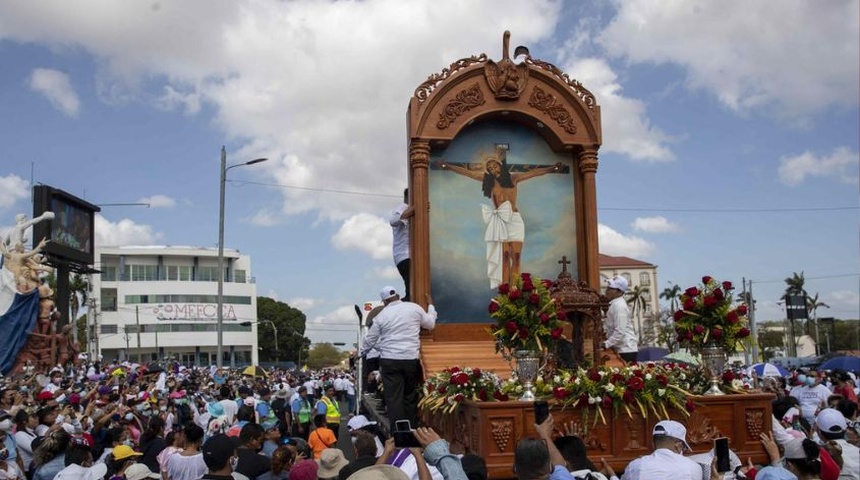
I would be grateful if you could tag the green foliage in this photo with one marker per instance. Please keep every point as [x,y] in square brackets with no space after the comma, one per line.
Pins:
[290,323]
[325,355]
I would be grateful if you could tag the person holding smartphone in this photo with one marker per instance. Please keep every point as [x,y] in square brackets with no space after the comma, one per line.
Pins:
[667,460]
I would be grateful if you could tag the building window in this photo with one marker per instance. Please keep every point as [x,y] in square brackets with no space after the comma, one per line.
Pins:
[185,298]
[239,276]
[143,273]
[108,329]
[627,277]
[207,274]
[644,279]
[108,299]
[108,274]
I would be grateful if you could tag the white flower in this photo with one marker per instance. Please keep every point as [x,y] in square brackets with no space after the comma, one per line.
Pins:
[602,373]
[592,400]
[661,392]
[682,376]
[556,379]
[577,381]
[737,383]
[609,387]
[648,376]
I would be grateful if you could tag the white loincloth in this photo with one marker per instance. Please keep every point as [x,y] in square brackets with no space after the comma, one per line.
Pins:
[503,225]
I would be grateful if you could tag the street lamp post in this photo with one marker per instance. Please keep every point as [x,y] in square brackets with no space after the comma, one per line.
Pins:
[224,168]
[274,327]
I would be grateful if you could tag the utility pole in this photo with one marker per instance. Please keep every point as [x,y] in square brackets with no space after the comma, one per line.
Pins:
[753,326]
[127,337]
[137,320]
[91,331]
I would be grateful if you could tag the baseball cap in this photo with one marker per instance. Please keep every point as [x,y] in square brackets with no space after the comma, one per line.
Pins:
[618,283]
[830,420]
[794,449]
[671,428]
[121,452]
[305,470]
[139,471]
[387,292]
[376,472]
[217,449]
[269,425]
[357,422]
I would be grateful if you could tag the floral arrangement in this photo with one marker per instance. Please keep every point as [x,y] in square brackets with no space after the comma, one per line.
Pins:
[709,317]
[444,391]
[526,315]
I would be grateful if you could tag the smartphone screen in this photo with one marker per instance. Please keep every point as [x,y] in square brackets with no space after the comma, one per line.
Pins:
[541,411]
[403,435]
[402,426]
[721,451]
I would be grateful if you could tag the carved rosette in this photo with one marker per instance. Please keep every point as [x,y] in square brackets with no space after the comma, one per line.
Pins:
[462,103]
[755,422]
[425,89]
[548,104]
[502,431]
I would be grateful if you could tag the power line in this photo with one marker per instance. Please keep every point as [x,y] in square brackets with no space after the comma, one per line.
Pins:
[822,277]
[312,189]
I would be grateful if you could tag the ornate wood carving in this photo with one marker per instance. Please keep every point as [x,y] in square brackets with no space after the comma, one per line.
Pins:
[463,102]
[755,422]
[548,104]
[583,93]
[425,89]
[502,431]
[700,429]
[506,79]
[636,437]
[583,307]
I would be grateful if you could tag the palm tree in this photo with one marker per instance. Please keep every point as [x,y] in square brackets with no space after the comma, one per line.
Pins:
[794,288]
[794,285]
[812,304]
[79,289]
[637,298]
[672,295]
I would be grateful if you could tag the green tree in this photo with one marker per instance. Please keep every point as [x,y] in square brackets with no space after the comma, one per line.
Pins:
[770,340]
[325,355]
[637,298]
[672,294]
[666,334]
[290,323]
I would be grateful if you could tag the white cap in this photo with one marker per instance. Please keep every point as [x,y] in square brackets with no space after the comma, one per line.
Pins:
[387,292]
[830,420]
[618,283]
[671,428]
[357,422]
[140,471]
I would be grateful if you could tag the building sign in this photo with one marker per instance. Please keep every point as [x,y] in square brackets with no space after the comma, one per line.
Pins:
[192,311]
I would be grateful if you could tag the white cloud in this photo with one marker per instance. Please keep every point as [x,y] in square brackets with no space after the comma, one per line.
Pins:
[303,304]
[751,56]
[617,244]
[626,127]
[158,201]
[57,88]
[12,189]
[366,233]
[123,232]
[386,273]
[263,218]
[656,224]
[842,164]
[172,98]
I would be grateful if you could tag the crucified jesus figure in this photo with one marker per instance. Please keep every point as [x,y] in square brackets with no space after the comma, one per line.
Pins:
[505,231]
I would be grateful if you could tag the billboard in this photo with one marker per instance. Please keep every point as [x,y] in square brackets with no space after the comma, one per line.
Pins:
[71,232]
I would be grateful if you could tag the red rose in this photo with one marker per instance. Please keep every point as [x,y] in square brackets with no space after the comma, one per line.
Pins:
[561,315]
[546,283]
[716,333]
[454,369]
[498,395]
[663,380]
[482,395]
[690,405]
[732,317]
[528,286]
[718,294]
[742,309]
[544,319]
[636,384]
[679,337]
[692,292]
[706,279]
[710,301]
[689,304]
[607,401]
[443,389]
[698,329]
[459,378]
[511,326]
[556,333]
[459,397]
[560,393]
[515,294]
[727,286]
[527,277]
[688,335]
[638,373]
[524,333]
[494,307]
[743,333]
[504,288]
[728,376]
[431,387]
[534,299]
[678,315]
[593,375]
[476,373]
[583,399]
[616,378]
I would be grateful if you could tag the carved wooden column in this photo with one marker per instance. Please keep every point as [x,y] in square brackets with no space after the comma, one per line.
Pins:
[419,227]
[588,169]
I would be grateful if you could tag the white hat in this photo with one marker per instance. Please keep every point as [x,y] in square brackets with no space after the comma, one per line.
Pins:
[379,472]
[331,462]
[139,471]
[618,283]
[671,428]
[387,292]
[830,420]
[357,422]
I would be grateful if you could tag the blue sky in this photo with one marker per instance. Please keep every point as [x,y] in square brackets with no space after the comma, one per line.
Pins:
[723,121]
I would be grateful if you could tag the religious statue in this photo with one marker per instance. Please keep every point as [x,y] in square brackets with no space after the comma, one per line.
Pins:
[16,237]
[505,230]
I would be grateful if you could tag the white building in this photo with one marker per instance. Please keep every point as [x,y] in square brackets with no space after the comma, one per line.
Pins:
[171,293]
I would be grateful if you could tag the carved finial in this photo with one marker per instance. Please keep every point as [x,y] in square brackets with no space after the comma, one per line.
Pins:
[506,45]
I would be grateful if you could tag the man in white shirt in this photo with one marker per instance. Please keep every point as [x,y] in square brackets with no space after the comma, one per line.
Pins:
[399,221]
[395,333]
[831,425]
[811,394]
[670,439]
[618,325]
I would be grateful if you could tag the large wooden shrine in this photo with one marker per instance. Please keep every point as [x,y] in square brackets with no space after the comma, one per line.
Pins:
[502,163]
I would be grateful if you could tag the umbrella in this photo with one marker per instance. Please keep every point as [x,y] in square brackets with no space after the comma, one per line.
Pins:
[682,357]
[649,354]
[767,370]
[852,364]
[254,371]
